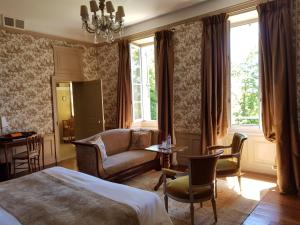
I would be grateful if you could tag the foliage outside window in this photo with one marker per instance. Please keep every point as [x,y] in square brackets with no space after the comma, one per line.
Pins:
[143,83]
[245,94]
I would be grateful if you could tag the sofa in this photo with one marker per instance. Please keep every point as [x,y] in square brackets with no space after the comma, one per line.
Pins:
[122,162]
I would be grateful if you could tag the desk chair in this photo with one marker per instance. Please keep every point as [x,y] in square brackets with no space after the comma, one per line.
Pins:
[30,157]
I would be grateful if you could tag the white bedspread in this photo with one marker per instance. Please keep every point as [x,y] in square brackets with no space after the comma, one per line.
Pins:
[147,205]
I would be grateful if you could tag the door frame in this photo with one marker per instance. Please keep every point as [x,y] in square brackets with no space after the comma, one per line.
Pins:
[54,81]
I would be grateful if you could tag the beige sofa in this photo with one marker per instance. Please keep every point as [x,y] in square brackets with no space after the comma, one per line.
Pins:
[121,162]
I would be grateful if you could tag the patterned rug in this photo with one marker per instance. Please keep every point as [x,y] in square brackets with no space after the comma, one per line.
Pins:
[232,207]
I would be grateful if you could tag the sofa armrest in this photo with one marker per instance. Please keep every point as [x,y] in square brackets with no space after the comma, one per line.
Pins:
[89,159]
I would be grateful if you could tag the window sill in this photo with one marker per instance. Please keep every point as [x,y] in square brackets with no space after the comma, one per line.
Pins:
[246,129]
[153,125]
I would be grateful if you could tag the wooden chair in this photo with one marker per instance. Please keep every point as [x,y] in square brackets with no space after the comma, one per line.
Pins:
[196,187]
[30,157]
[230,164]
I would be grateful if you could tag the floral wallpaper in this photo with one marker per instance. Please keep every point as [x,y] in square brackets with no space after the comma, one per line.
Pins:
[187,80]
[187,41]
[25,87]
[27,62]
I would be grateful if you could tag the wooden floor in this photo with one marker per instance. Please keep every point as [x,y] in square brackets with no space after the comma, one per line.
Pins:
[273,209]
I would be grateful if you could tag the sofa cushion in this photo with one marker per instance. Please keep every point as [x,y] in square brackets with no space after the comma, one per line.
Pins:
[116,140]
[101,146]
[140,139]
[126,160]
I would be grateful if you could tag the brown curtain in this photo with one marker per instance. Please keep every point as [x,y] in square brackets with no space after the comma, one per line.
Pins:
[214,78]
[124,100]
[279,98]
[165,67]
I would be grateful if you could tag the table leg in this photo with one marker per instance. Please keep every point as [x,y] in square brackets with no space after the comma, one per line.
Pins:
[7,164]
[43,155]
[166,161]
[159,183]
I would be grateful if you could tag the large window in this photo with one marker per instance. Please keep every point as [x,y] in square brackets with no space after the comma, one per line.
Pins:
[245,91]
[143,80]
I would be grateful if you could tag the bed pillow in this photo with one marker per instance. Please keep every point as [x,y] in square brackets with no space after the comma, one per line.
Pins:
[140,139]
[101,146]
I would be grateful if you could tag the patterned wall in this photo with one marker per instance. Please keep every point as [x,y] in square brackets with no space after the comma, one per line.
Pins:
[187,80]
[25,87]
[27,62]
[187,41]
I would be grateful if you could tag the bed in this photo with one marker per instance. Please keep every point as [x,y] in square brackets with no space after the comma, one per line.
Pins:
[61,196]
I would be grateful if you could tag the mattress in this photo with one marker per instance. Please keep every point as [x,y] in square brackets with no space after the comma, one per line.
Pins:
[147,205]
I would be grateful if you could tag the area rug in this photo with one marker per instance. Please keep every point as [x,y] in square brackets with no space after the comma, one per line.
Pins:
[232,207]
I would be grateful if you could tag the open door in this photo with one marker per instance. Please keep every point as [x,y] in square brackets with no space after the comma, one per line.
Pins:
[88,108]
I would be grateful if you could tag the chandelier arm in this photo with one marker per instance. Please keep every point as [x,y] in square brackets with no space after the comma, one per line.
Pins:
[89,29]
[117,29]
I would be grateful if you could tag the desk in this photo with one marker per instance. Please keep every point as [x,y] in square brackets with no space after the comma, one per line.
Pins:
[166,155]
[8,145]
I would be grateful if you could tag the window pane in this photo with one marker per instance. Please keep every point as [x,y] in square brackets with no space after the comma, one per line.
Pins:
[137,107]
[143,79]
[152,86]
[135,64]
[244,75]
[137,93]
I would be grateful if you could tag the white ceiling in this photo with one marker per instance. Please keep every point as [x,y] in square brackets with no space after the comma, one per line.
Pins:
[61,17]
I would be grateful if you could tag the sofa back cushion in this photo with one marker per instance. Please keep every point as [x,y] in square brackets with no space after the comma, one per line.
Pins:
[140,139]
[116,140]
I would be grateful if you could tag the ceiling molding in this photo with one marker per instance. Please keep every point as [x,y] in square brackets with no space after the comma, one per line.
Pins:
[48,36]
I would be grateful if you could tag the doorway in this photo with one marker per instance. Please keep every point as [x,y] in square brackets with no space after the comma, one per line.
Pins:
[78,113]
[65,120]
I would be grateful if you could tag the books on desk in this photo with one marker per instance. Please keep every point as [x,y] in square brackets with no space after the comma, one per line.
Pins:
[16,136]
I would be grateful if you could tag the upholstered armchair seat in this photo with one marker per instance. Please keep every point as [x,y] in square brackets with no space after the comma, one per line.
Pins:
[179,188]
[196,187]
[227,166]
[230,164]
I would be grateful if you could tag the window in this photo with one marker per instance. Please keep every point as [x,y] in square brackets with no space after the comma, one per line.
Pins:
[144,96]
[245,91]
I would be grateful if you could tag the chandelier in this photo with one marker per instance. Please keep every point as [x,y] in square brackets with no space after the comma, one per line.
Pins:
[104,25]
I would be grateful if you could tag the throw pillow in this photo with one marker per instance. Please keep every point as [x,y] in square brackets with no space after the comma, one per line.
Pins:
[140,140]
[101,146]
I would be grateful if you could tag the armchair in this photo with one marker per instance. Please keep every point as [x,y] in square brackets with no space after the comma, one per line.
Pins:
[230,164]
[196,185]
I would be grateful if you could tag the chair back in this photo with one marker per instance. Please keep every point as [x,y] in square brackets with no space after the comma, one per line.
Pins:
[35,144]
[202,169]
[237,143]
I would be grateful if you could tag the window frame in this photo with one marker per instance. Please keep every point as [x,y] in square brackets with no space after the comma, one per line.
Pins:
[255,129]
[138,123]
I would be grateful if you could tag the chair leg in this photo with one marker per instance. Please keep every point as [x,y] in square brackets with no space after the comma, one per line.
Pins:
[192,213]
[29,165]
[240,182]
[213,202]
[14,164]
[166,203]
[201,204]
[39,164]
